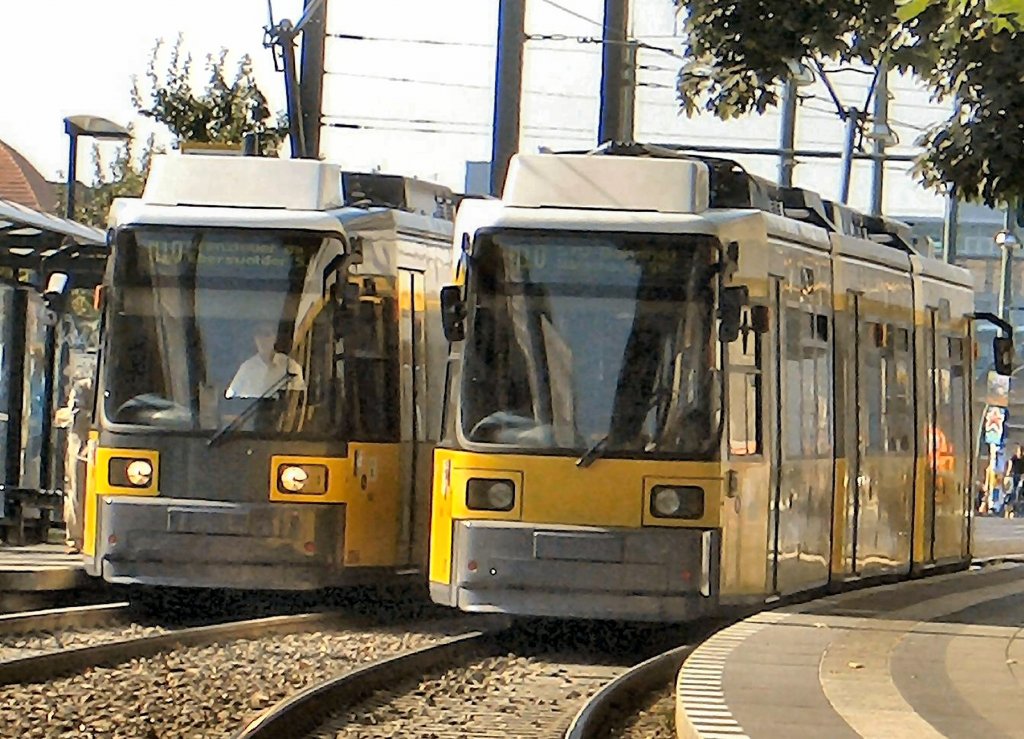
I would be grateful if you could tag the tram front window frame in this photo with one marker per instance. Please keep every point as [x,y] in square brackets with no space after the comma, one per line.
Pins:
[582,342]
[182,315]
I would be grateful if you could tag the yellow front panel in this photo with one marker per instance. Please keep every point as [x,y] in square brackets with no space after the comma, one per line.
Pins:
[712,496]
[460,479]
[336,477]
[373,505]
[89,525]
[441,518]
[102,480]
[368,483]
[554,490]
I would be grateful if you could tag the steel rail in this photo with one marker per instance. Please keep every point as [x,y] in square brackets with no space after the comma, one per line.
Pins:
[299,714]
[101,614]
[43,667]
[623,694]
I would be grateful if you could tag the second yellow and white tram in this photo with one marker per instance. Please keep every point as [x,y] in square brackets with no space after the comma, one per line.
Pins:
[674,387]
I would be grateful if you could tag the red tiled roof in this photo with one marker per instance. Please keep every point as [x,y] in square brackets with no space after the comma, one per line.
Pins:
[22,183]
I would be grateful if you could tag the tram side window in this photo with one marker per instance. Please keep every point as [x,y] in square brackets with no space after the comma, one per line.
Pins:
[808,393]
[897,412]
[958,373]
[948,404]
[745,434]
[794,413]
[369,372]
[873,385]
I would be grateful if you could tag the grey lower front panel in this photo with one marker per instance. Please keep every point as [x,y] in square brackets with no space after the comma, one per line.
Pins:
[194,543]
[648,574]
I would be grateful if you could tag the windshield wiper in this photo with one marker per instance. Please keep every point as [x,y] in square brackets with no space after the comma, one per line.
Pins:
[593,453]
[234,422]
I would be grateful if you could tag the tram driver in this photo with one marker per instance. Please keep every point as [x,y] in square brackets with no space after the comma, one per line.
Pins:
[267,369]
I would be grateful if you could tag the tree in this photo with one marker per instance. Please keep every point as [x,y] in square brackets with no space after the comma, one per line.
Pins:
[965,50]
[221,112]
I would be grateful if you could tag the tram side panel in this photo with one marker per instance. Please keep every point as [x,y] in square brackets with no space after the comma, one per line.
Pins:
[875,416]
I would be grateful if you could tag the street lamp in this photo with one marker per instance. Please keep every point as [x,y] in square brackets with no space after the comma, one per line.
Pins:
[97,128]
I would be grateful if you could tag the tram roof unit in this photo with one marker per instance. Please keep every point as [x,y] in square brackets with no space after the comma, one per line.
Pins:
[269,193]
[675,181]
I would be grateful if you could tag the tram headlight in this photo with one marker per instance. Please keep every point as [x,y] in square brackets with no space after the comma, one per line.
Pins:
[309,479]
[677,501]
[490,495]
[130,473]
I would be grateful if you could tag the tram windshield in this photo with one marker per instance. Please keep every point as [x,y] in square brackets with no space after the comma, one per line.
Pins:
[208,327]
[592,341]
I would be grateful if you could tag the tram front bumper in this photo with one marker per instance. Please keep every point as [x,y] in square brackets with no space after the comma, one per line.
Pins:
[649,574]
[195,543]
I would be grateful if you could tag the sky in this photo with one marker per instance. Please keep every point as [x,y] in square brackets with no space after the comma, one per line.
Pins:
[424,108]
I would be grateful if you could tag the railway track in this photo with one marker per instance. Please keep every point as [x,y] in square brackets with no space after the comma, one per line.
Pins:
[73,617]
[507,682]
[205,680]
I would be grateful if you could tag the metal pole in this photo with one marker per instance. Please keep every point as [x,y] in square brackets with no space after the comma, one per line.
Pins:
[46,422]
[1006,266]
[950,226]
[852,116]
[311,84]
[69,210]
[291,80]
[880,112]
[615,75]
[508,88]
[787,134]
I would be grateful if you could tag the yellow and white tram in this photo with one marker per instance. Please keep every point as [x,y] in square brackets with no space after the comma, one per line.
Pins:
[265,386]
[674,387]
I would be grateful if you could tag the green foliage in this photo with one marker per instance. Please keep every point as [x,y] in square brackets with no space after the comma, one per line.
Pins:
[226,109]
[221,112]
[740,48]
[123,177]
[965,50]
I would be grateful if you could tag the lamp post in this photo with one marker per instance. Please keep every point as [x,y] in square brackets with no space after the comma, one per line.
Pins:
[1007,241]
[95,127]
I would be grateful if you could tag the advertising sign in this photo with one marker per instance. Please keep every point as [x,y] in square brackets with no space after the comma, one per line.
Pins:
[995,424]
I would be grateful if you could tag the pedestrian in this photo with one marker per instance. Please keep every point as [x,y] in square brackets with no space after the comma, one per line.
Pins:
[1015,472]
[76,417]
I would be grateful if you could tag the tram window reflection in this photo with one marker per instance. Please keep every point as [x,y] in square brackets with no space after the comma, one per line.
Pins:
[576,340]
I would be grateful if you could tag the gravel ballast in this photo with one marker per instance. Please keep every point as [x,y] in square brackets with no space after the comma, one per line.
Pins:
[197,692]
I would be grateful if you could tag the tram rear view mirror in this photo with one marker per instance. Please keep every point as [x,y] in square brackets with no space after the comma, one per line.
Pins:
[453,313]
[1002,353]
[98,296]
[730,306]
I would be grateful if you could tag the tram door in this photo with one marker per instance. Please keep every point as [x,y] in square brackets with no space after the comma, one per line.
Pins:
[413,357]
[855,429]
[930,416]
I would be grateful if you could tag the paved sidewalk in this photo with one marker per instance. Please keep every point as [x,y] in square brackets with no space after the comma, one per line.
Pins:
[941,656]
